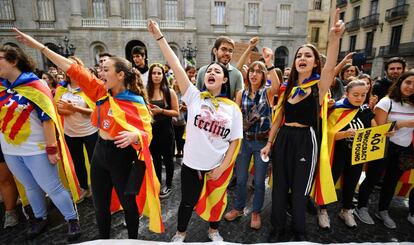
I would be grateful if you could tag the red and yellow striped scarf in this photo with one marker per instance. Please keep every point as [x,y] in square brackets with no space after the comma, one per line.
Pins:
[213,198]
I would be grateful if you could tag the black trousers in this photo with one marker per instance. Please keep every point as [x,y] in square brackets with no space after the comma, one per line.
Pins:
[162,147]
[391,177]
[110,168]
[342,165]
[191,185]
[294,161]
[75,145]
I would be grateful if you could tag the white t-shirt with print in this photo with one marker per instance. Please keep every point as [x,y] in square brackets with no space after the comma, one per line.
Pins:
[77,124]
[403,136]
[209,132]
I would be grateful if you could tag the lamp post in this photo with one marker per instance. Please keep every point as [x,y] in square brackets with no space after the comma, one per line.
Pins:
[189,52]
[68,49]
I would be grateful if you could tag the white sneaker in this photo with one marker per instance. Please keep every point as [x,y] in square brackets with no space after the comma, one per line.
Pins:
[215,236]
[178,237]
[348,218]
[410,219]
[363,215]
[10,218]
[323,219]
[386,219]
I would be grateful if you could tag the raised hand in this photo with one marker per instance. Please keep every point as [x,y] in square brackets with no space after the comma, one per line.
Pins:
[338,27]
[154,29]
[268,56]
[27,40]
[253,42]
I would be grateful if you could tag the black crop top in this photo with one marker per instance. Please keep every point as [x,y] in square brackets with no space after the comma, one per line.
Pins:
[303,112]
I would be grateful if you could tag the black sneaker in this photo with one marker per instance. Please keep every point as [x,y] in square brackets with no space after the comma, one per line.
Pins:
[165,192]
[36,227]
[74,230]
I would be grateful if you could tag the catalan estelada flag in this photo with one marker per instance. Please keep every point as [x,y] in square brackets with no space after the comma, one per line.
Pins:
[31,88]
[130,112]
[406,182]
[213,198]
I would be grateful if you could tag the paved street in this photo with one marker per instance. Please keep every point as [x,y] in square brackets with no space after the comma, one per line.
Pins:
[238,231]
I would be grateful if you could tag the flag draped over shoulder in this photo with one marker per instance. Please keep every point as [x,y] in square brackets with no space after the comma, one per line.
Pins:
[62,88]
[213,198]
[130,112]
[406,182]
[31,88]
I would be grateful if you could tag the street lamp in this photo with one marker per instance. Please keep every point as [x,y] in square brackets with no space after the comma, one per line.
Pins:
[68,49]
[189,52]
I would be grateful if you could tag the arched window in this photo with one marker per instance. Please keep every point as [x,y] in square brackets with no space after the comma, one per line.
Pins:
[281,60]
[96,49]
[46,62]
[128,50]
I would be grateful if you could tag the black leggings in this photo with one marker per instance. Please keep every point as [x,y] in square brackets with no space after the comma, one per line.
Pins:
[75,145]
[162,146]
[191,185]
[342,165]
[391,177]
[110,168]
[294,160]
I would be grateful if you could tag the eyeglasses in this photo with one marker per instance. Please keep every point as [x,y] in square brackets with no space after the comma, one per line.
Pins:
[226,50]
[257,71]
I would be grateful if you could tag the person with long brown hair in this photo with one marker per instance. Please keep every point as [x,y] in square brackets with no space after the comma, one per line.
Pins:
[124,124]
[163,106]
[305,92]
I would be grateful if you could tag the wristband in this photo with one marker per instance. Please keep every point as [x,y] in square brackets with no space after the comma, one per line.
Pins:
[51,150]
[270,68]
[160,38]
[269,142]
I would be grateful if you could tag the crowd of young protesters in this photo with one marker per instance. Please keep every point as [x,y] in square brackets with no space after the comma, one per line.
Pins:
[125,121]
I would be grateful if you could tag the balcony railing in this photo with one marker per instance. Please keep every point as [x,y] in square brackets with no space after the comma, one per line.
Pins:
[7,24]
[404,49]
[341,3]
[95,22]
[172,24]
[370,20]
[353,25]
[134,23]
[396,13]
[46,24]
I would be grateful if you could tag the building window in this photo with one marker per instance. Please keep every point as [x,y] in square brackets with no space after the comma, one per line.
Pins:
[374,7]
[45,10]
[356,13]
[395,37]
[220,13]
[6,10]
[253,14]
[136,9]
[317,4]
[99,9]
[400,2]
[342,16]
[171,9]
[369,42]
[352,43]
[283,19]
[315,35]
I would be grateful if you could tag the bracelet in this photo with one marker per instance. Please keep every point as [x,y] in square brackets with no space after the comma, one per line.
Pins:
[269,142]
[270,68]
[43,49]
[160,38]
[51,150]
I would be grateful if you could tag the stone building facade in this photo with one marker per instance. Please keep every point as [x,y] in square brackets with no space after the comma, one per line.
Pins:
[379,28]
[116,26]
[318,23]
